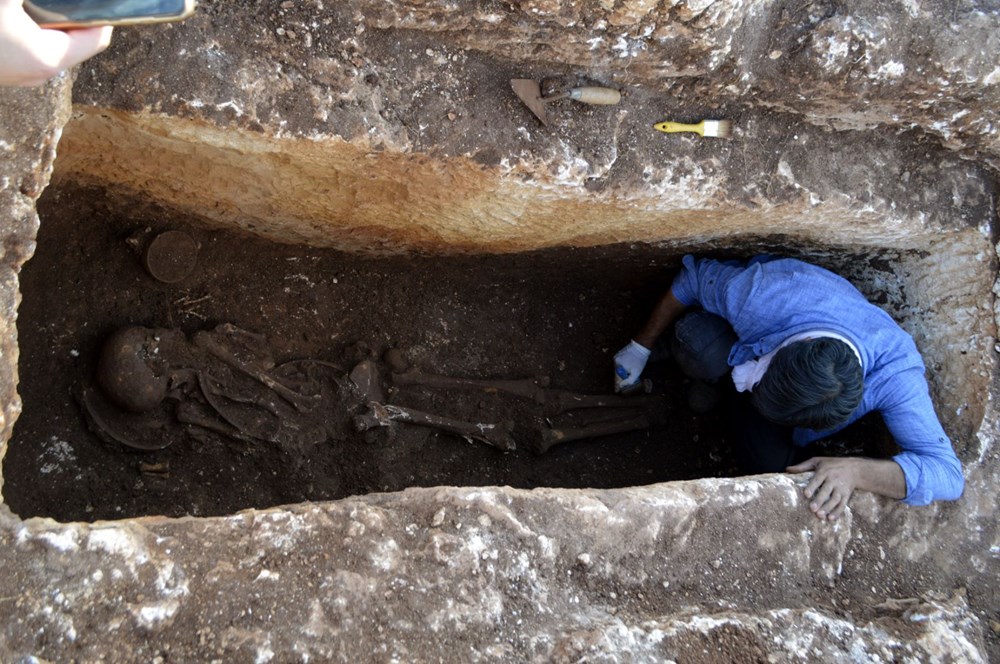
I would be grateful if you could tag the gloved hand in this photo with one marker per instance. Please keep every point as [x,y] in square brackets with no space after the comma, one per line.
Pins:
[629,363]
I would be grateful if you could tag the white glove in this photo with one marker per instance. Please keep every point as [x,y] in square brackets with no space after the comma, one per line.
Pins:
[629,363]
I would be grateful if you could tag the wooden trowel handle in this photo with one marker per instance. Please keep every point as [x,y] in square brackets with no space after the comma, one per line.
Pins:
[596,95]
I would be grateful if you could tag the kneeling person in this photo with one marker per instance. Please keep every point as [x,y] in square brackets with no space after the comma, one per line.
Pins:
[810,356]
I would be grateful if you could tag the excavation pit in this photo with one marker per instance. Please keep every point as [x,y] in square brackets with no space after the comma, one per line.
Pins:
[864,141]
[554,313]
[557,313]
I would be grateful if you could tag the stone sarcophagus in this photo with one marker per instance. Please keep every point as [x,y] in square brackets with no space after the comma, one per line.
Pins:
[363,185]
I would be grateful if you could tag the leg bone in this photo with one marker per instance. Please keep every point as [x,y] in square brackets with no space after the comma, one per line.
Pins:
[529,388]
[380,415]
[551,437]
[560,401]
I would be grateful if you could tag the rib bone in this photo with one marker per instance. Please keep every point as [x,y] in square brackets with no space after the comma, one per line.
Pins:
[301,402]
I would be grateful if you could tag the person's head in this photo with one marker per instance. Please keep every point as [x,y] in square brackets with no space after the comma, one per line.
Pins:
[814,384]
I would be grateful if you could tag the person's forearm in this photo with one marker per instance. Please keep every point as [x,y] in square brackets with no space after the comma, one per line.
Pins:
[883,477]
[835,479]
[667,310]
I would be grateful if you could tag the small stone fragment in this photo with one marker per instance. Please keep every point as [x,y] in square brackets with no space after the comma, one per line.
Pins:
[395,360]
[162,468]
[357,352]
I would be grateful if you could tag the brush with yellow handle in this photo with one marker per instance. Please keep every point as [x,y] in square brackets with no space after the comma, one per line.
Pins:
[712,128]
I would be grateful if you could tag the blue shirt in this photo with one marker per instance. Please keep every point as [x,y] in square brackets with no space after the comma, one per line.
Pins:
[768,300]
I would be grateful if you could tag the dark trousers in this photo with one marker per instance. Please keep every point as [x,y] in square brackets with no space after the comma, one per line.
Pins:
[700,344]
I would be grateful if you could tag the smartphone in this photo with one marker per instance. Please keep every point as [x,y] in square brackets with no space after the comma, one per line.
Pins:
[87,13]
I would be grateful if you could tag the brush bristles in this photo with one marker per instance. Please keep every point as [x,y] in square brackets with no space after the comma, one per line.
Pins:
[718,128]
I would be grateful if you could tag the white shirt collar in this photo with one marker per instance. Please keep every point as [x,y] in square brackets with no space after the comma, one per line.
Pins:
[747,375]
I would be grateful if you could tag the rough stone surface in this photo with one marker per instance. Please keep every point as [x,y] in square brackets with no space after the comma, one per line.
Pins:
[366,106]
[331,193]
[378,70]
[389,126]
[32,121]
[465,575]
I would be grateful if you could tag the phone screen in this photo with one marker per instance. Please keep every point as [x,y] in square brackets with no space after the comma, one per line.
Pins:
[111,11]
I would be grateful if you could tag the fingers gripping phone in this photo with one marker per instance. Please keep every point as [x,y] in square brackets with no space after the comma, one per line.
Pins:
[86,13]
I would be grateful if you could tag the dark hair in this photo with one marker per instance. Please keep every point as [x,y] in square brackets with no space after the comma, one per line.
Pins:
[815,384]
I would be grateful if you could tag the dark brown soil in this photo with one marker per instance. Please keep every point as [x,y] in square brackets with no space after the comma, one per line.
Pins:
[560,314]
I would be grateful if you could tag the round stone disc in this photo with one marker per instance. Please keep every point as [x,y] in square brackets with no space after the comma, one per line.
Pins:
[171,256]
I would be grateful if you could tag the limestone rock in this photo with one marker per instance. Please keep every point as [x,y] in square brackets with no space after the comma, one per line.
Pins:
[556,574]
[32,123]
[931,66]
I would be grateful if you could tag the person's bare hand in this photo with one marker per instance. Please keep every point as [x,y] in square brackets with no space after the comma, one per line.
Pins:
[30,55]
[831,486]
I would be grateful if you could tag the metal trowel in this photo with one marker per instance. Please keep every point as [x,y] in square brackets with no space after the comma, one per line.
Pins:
[530,93]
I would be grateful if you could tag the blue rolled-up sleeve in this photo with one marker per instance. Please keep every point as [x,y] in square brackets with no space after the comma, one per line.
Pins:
[932,470]
[931,477]
[685,286]
[718,287]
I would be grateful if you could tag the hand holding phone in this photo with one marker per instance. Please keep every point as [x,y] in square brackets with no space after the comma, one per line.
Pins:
[30,55]
[86,13]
